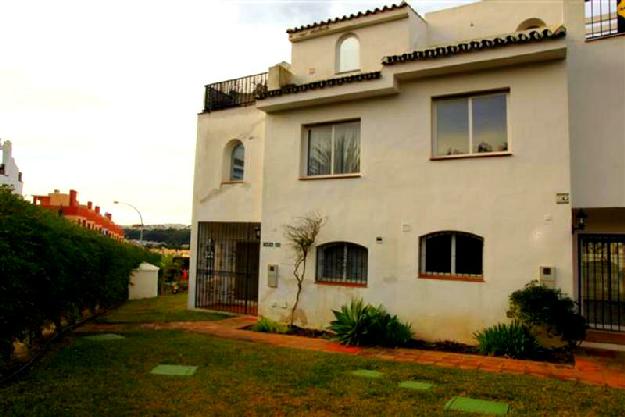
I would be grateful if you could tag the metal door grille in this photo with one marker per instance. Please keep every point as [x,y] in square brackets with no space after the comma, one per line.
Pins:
[602,280]
[227,267]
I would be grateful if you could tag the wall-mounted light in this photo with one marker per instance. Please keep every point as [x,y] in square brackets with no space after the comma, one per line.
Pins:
[580,221]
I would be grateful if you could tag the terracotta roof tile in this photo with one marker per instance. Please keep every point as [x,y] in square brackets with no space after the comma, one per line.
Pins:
[317,85]
[537,35]
[344,18]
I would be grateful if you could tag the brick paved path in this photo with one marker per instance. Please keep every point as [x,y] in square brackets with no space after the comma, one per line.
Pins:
[586,369]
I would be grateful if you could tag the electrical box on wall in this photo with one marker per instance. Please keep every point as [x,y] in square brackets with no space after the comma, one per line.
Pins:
[547,276]
[272,276]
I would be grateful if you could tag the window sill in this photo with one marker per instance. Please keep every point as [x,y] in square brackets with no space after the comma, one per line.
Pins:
[341,284]
[232,182]
[329,177]
[461,278]
[608,36]
[471,155]
[354,71]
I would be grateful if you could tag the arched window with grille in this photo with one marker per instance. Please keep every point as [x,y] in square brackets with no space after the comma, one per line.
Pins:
[348,54]
[237,162]
[451,254]
[342,263]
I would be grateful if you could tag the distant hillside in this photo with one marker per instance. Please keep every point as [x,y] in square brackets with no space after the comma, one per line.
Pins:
[169,237]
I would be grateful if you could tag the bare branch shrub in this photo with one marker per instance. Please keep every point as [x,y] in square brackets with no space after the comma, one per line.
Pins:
[301,236]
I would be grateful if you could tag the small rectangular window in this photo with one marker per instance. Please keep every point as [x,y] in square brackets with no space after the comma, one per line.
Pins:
[451,254]
[470,125]
[342,263]
[333,149]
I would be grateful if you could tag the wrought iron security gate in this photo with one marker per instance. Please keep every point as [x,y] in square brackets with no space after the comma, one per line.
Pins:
[602,280]
[227,267]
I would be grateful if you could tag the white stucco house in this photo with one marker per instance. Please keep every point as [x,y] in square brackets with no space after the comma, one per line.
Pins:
[9,172]
[455,156]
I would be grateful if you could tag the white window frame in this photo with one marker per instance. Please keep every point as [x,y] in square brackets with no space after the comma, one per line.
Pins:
[306,150]
[423,250]
[470,98]
[338,54]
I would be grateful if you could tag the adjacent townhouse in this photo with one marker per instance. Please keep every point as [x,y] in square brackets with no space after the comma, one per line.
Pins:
[454,156]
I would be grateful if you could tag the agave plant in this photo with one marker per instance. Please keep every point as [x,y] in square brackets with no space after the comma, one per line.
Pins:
[360,324]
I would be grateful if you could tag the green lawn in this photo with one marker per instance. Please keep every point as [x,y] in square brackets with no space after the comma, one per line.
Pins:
[161,309]
[111,378]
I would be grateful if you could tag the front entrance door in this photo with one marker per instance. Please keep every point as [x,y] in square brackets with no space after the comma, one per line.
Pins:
[227,267]
[602,280]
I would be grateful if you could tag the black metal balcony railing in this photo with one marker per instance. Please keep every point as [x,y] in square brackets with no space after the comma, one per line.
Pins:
[234,93]
[603,19]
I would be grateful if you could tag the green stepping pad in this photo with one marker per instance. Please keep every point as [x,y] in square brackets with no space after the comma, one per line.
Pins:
[416,385]
[472,405]
[366,373]
[174,370]
[104,337]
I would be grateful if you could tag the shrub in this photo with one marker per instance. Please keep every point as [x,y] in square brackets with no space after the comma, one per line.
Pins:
[266,325]
[546,310]
[51,269]
[513,340]
[360,324]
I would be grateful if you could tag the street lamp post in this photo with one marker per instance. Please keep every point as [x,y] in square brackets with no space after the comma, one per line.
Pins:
[140,218]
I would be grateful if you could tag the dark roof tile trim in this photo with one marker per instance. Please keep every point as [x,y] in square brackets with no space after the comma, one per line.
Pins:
[317,85]
[477,45]
[349,17]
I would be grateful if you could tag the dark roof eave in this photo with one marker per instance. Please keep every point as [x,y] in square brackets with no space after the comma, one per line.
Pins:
[318,85]
[477,45]
[344,18]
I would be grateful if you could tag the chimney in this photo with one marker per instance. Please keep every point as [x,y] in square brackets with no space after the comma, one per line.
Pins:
[97,209]
[108,216]
[72,198]
[89,205]
[56,191]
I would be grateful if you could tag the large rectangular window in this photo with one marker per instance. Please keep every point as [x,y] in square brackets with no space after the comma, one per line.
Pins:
[470,125]
[333,149]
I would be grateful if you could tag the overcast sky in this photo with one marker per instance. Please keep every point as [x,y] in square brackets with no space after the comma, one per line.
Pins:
[102,97]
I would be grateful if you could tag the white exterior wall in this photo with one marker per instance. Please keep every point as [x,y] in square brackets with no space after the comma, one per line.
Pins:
[11,175]
[319,53]
[214,198]
[489,18]
[509,201]
[597,109]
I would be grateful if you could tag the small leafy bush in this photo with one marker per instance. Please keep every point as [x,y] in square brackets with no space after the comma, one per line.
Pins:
[513,340]
[360,324]
[266,325]
[546,310]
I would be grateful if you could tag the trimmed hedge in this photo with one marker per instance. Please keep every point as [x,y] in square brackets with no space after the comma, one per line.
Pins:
[52,269]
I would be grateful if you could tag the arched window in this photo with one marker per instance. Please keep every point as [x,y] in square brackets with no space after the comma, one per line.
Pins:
[348,54]
[237,162]
[451,254]
[531,23]
[342,263]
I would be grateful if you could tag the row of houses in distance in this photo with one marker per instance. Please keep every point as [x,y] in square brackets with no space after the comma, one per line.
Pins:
[85,215]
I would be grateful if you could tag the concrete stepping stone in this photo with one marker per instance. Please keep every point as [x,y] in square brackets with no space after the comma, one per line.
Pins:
[173,370]
[104,337]
[416,385]
[472,405]
[367,373]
